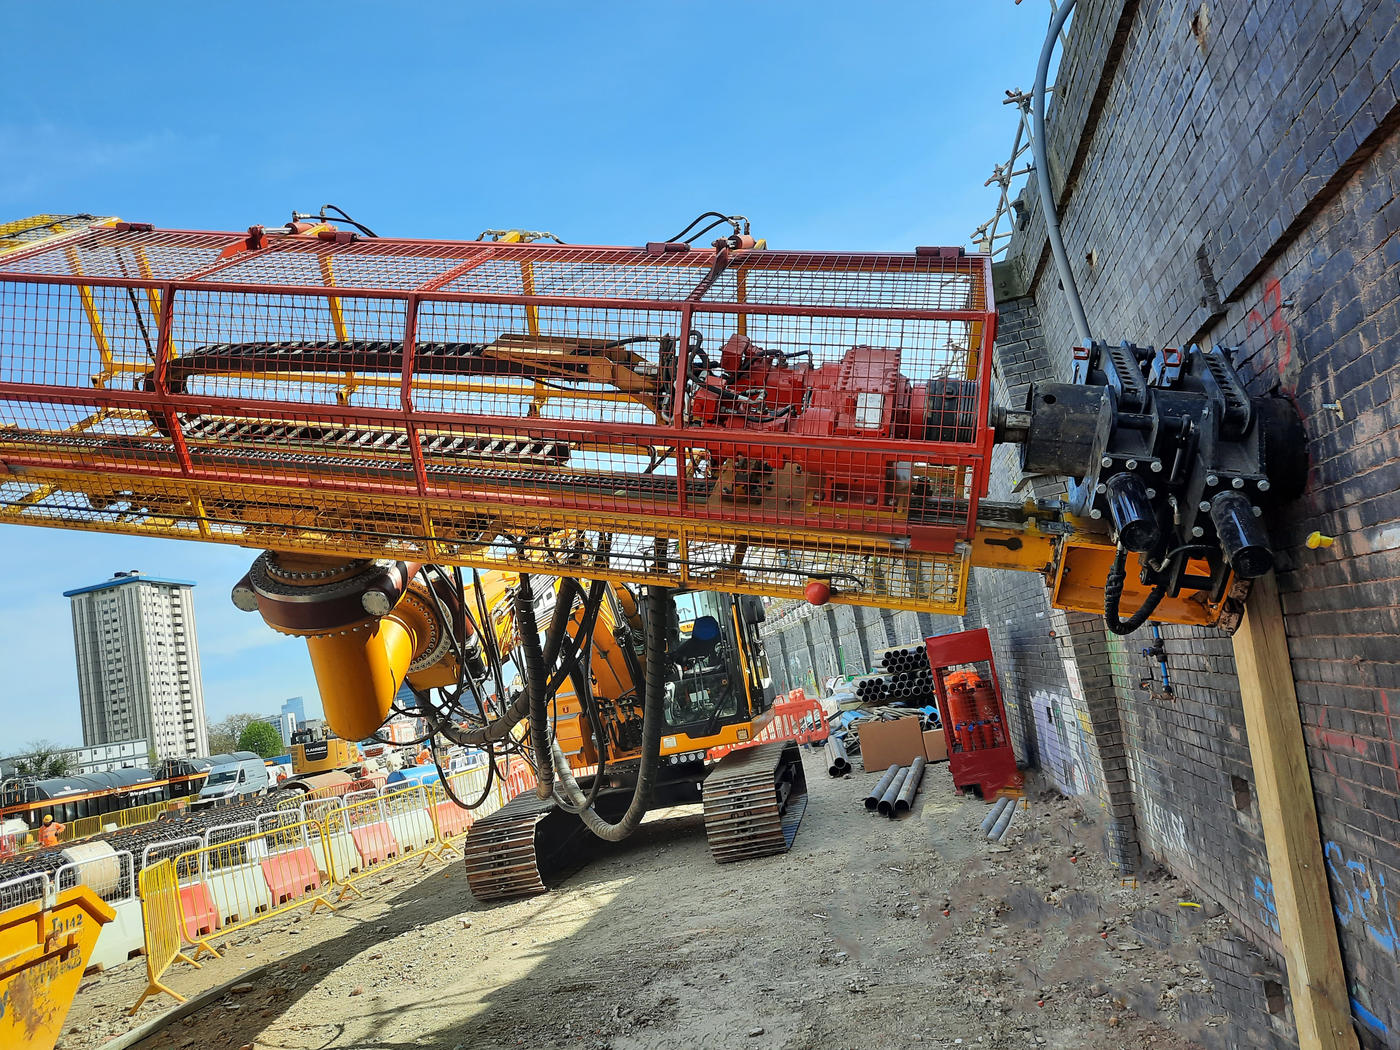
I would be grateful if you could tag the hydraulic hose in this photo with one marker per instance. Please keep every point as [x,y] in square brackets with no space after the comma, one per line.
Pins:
[653,711]
[536,688]
[1042,175]
[1113,594]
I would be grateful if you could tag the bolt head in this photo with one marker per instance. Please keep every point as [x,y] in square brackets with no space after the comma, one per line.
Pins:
[1107,461]
[1212,479]
[1264,485]
[1155,466]
[1095,513]
[1203,506]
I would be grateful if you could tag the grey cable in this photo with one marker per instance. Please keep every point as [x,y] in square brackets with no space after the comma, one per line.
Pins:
[1042,175]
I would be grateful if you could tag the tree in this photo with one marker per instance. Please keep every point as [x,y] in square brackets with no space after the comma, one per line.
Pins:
[43,759]
[261,738]
[224,736]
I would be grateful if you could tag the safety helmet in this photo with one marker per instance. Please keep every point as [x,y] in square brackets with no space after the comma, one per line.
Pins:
[48,818]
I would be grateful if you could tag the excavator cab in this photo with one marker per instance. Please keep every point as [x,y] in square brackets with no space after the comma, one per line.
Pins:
[718,679]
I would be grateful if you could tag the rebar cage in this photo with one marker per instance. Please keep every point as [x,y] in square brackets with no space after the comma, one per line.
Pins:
[744,420]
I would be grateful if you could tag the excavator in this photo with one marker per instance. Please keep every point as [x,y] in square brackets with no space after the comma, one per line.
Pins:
[625,446]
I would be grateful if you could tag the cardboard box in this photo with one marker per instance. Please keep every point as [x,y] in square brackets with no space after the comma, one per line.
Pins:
[884,744]
[935,746]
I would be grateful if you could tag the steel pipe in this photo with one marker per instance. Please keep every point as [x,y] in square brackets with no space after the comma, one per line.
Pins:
[1003,821]
[994,814]
[905,798]
[872,800]
[837,762]
[886,803]
[1006,827]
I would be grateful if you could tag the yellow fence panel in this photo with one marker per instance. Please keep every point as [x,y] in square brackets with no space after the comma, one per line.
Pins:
[161,923]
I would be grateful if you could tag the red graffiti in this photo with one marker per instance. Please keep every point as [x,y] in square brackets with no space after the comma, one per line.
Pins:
[1270,317]
[1389,729]
[1332,740]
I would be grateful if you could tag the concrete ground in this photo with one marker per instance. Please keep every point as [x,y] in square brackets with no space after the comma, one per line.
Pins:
[843,942]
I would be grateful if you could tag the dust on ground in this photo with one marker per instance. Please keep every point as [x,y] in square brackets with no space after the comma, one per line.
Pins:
[843,942]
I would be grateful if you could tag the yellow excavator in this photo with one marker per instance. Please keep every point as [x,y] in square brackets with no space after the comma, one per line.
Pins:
[620,697]
[315,749]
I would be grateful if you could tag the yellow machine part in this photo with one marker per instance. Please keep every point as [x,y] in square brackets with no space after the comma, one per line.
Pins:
[1079,578]
[359,670]
[43,952]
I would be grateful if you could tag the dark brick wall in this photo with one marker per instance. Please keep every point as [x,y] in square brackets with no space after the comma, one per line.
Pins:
[1234,169]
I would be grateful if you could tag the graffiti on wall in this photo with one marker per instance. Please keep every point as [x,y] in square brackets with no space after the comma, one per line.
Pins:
[1066,742]
[1167,828]
[1361,898]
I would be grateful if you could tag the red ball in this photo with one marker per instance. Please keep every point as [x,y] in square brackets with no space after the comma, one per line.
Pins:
[817,592]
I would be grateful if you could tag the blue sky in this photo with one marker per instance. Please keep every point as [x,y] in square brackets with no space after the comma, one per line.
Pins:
[831,125]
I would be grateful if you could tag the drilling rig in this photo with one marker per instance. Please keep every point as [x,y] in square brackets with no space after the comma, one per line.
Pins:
[611,425]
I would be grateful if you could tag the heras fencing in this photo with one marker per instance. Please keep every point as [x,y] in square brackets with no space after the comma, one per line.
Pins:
[233,876]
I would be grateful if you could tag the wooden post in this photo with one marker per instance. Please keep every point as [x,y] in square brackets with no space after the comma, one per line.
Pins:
[1283,785]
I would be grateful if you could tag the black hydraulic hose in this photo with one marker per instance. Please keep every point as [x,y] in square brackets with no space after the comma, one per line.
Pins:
[535,686]
[653,709]
[563,607]
[1113,593]
[579,678]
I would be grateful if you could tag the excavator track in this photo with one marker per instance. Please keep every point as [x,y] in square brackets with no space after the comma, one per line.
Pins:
[754,801]
[500,850]
[514,850]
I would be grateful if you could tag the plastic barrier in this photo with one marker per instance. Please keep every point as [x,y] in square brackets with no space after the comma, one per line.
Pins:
[406,813]
[375,842]
[198,912]
[291,874]
[802,720]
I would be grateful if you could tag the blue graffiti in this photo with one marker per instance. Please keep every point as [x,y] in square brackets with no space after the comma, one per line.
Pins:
[1264,894]
[1361,894]
[1369,1019]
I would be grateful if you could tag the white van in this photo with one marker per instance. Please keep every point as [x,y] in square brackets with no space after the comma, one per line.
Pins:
[232,778]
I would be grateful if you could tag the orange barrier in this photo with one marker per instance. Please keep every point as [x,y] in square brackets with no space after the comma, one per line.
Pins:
[291,875]
[375,843]
[799,719]
[197,908]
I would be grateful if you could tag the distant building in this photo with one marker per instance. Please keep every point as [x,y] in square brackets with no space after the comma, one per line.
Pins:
[138,664]
[99,759]
[285,724]
[296,707]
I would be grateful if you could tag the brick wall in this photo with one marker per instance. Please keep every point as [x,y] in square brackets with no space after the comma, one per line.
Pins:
[1233,170]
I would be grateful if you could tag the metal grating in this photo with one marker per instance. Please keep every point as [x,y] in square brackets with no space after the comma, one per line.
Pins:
[773,417]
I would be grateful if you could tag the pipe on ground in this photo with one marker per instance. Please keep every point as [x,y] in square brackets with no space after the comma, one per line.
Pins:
[906,795]
[1011,809]
[993,815]
[1003,821]
[872,800]
[886,803]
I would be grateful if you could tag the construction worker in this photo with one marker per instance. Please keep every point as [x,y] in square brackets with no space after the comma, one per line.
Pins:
[51,832]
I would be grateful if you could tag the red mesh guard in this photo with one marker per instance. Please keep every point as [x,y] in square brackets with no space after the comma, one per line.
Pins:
[772,416]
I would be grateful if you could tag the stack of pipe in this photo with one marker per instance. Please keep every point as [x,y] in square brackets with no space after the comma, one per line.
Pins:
[996,825]
[838,763]
[894,793]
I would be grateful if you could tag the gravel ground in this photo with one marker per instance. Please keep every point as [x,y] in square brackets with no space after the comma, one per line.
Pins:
[870,933]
